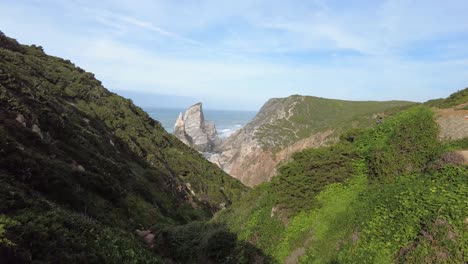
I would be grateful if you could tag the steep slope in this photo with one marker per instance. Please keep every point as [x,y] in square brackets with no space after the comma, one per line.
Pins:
[388,194]
[81,168]
[286,125]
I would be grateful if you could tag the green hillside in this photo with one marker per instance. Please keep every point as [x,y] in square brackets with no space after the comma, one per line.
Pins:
[84,173]
[381,195]
[82,168]
[303,116]
[455,99]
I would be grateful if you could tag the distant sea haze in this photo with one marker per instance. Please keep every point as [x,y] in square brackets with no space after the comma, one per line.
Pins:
[226,121]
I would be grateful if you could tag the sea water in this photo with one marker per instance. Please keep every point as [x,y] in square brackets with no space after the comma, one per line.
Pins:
[226,121]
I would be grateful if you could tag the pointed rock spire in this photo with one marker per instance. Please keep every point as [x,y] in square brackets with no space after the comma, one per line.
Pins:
[194,131]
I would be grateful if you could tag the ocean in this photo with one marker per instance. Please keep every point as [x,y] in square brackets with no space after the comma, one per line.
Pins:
[226,121]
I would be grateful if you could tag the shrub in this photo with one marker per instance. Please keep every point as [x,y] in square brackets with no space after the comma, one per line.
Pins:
[409,145]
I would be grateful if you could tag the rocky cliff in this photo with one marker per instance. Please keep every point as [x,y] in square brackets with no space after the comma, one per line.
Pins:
[195,131]
[284,126]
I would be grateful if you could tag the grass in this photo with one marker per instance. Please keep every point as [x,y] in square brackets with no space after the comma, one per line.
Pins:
[453,100]
[310,115]
[378,196]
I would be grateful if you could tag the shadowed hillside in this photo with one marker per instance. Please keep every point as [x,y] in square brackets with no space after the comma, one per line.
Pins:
[82,168]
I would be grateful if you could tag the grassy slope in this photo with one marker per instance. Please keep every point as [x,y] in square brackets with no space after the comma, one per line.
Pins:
[453,100]
[378,196]
[314,114]
[101,168]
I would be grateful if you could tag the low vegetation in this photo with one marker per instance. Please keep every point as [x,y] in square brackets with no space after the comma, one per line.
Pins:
[380,195]
[455,99]
[88,177]
[82,168]
[305,115]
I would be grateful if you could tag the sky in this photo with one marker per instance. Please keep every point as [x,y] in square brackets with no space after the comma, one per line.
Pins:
[238,54]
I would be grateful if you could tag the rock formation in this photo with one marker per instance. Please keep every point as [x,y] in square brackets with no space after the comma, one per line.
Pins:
[195,131]
[284,126]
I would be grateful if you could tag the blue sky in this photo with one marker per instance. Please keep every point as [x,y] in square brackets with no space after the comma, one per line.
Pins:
[238,54]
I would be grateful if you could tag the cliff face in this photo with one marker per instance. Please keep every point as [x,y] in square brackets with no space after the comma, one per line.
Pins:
[286,125]
[195,131]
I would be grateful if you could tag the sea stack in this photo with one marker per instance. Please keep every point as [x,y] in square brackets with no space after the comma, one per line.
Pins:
[195,131]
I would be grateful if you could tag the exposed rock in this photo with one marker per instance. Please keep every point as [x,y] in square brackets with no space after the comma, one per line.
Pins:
[77,167]
[147,236]
[20,118]
[189,187]
[284,126]
[179,131]
[214,158]
[37,130]
[245,157]
[20,146]
[273,211]
[195,131]
[246,160]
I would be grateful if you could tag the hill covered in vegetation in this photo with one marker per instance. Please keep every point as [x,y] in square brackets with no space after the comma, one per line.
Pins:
[88,177]
[286,125]
[459,100]
[82,168]
[389,194]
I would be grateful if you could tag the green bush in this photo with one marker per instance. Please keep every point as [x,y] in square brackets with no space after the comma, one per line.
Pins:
[98,158]
[374,197]
[409,145]
[202,242]
[301,179]
[6,223]
[395,216]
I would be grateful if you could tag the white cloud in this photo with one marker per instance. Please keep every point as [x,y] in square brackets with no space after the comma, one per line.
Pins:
[227,51]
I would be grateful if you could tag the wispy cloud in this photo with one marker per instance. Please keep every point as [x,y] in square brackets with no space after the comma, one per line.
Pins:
[120,21]
[221,51]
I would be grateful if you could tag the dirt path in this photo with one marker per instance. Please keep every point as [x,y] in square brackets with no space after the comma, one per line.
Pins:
[453,123]
[464,154]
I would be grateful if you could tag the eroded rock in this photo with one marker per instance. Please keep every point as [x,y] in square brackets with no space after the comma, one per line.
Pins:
[147,236]
[193,130]
[20,118]
[37,130]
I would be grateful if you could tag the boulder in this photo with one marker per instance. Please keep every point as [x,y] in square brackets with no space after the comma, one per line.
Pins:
[37,130]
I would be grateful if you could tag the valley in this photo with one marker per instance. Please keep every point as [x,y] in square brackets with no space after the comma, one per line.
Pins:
[87,176]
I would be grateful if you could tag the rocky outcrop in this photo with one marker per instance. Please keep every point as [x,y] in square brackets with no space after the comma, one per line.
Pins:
[147,236]
[284,126]
[179,131]
[195,131]
[245,159]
